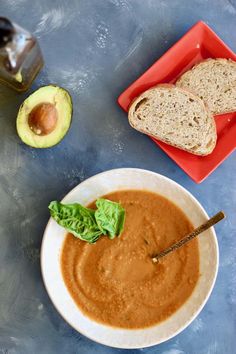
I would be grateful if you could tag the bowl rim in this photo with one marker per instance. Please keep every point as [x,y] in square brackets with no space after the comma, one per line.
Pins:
[192,317]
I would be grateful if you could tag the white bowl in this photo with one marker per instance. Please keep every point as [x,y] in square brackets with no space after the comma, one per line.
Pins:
[86,192]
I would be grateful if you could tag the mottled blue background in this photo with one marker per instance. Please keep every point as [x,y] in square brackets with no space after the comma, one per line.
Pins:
[95,49]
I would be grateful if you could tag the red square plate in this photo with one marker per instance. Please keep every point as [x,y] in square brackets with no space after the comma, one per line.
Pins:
[199,43]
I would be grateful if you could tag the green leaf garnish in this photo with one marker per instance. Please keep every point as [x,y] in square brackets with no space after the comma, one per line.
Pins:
[76,219]
[88,224]
[110,217]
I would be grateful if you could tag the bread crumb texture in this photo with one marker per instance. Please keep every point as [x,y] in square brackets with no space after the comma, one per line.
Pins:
[174,116]
[213,80]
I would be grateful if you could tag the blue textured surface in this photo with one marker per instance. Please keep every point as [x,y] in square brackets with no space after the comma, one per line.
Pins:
[95,49]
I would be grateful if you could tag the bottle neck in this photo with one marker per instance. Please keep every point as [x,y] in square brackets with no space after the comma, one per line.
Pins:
[15,43]
[6,32]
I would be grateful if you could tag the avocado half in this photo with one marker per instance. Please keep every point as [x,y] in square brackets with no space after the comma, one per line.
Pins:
[44,117]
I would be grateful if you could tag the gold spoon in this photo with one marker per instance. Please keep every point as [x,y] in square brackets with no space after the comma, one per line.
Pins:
[212,221]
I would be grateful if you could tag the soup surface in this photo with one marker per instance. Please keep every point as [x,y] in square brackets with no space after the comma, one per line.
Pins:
[115,281]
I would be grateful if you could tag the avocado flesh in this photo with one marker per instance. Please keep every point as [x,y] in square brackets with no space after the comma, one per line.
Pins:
[61,99]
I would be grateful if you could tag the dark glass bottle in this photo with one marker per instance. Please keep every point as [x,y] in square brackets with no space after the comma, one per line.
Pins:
[20,56]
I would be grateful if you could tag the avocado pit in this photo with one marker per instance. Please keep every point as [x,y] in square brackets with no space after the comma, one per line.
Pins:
[43,119]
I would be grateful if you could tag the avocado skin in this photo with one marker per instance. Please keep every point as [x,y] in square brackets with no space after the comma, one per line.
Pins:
[22,116]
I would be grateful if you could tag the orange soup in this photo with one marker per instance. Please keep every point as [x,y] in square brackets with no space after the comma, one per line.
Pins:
[115,282]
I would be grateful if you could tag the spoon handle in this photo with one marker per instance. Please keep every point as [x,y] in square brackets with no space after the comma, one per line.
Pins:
[212,221]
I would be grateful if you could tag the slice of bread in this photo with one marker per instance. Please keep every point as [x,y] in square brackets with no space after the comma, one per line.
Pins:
[213,80]
[176,117]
